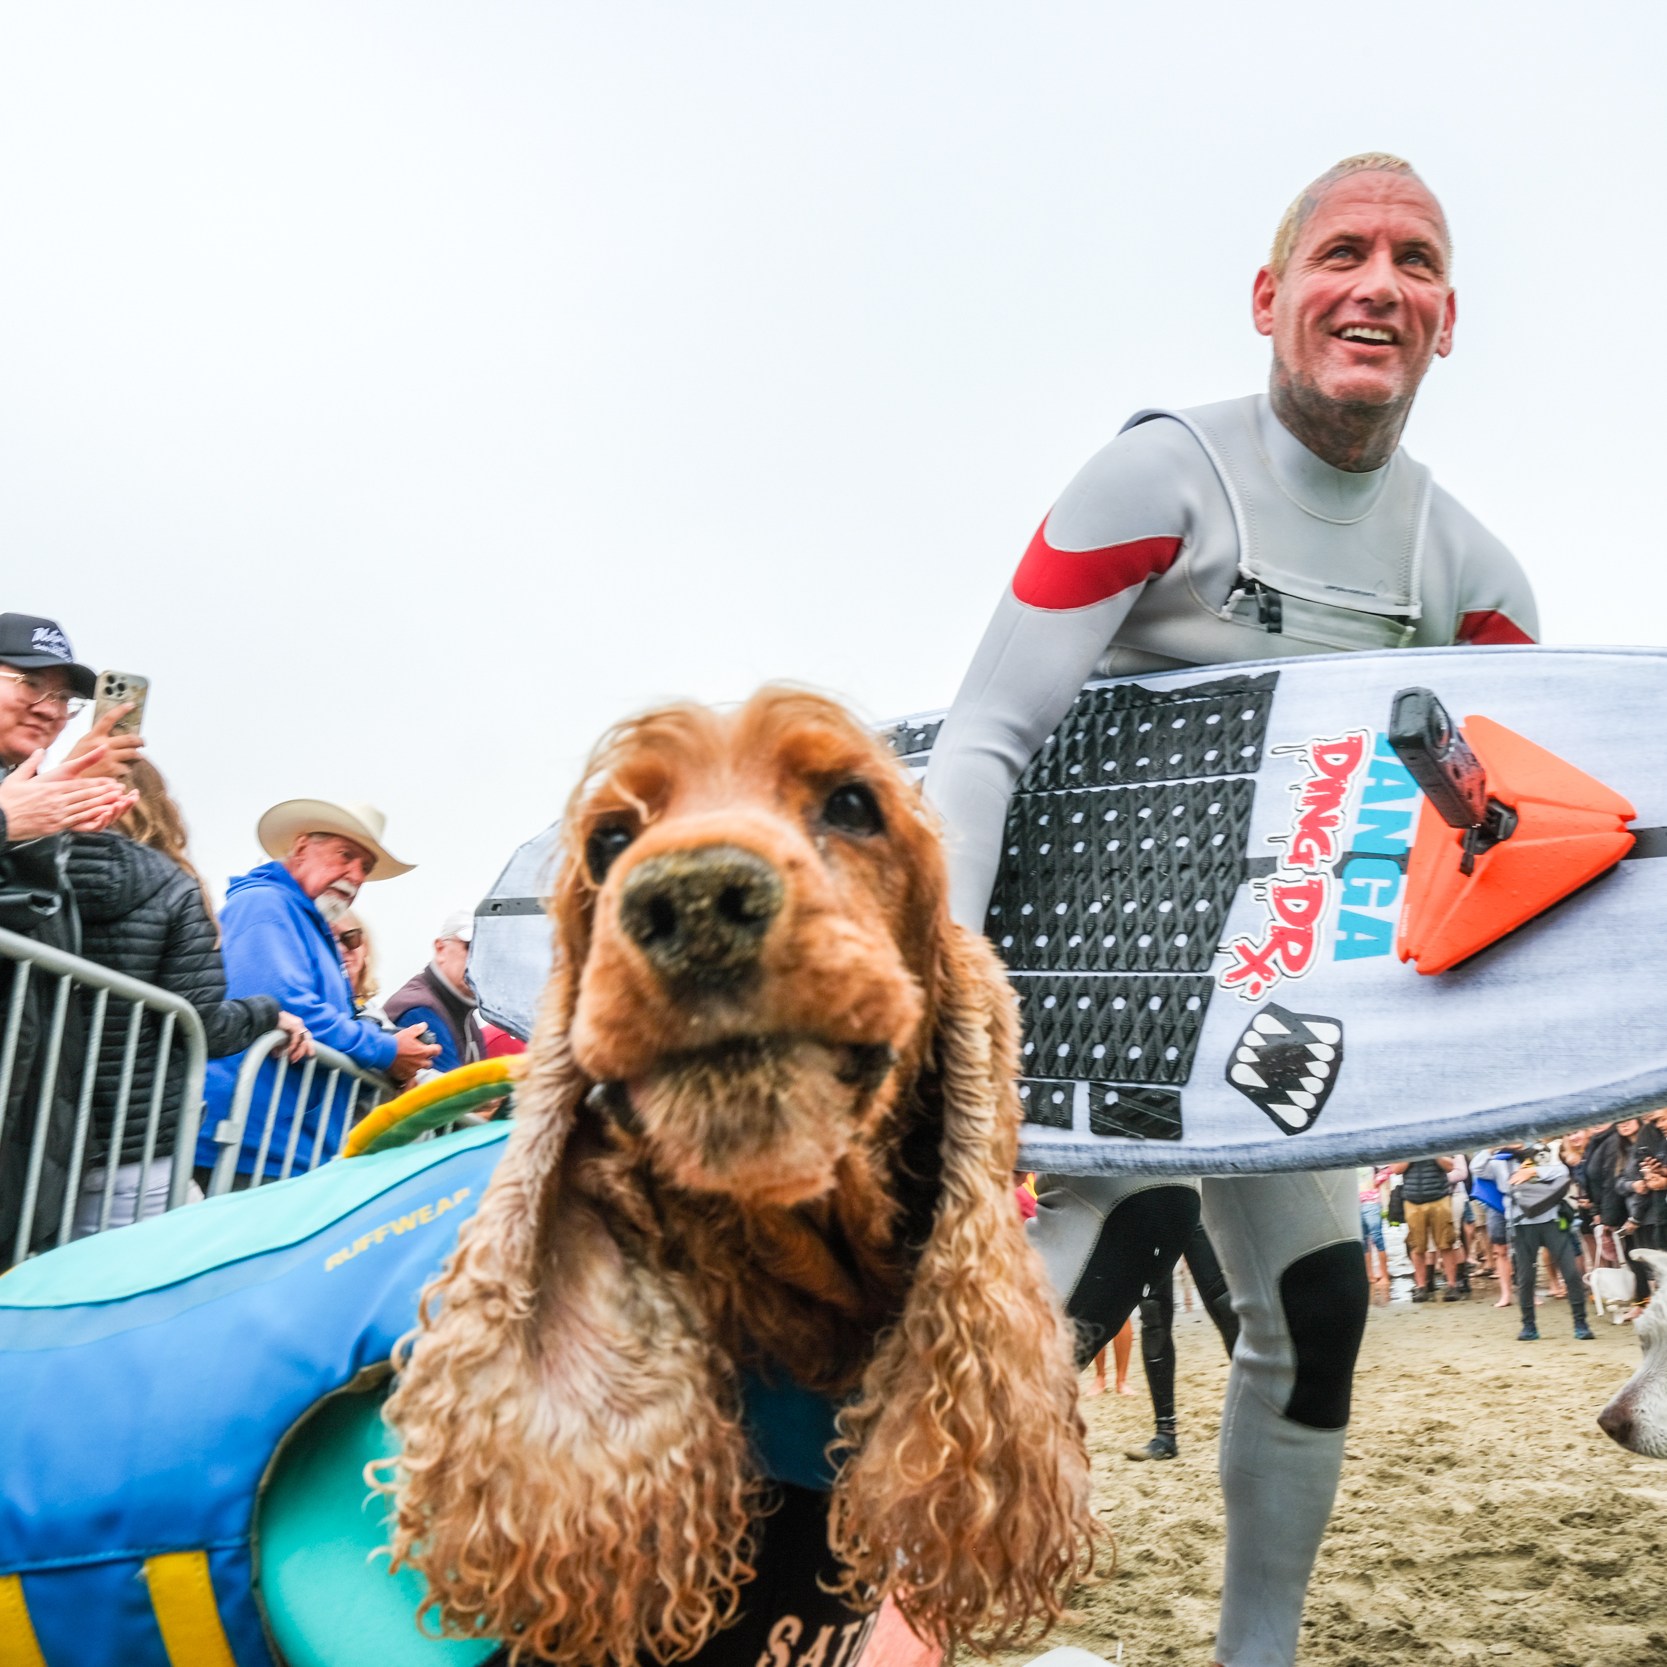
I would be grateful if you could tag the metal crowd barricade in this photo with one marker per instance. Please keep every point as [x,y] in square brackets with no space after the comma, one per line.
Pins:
[349,1092]
[176,1025]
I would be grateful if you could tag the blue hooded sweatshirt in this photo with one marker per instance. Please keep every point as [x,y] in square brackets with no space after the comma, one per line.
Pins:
[276,943]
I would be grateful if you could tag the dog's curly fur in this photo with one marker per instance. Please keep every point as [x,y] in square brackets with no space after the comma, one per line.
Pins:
[808,1170]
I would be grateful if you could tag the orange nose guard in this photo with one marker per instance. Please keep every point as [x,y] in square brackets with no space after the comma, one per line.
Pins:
[1464,893]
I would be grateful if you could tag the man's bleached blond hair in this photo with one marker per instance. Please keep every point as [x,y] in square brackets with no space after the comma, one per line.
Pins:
[1308,199]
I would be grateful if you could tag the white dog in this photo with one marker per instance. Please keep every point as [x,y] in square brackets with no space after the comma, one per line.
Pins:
[1611,1287]
[1637,1416]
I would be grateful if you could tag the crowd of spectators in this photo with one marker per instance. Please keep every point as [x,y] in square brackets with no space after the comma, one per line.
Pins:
[1505,1213]
[94,860]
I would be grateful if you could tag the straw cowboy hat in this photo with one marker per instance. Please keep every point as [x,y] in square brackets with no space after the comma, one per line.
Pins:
[279,828]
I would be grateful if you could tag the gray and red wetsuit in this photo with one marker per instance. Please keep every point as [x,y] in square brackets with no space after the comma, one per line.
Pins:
[1202,537]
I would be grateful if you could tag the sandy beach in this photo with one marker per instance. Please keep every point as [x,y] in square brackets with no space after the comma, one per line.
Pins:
[1482,1515]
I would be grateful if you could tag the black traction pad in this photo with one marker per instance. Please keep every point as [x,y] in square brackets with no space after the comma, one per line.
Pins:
[1125,846]
[1113,1108]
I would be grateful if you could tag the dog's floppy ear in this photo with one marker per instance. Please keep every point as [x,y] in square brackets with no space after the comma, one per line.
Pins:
[965,1492]
[572,1478]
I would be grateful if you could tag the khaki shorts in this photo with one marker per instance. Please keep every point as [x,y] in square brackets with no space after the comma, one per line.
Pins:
[1430,1221]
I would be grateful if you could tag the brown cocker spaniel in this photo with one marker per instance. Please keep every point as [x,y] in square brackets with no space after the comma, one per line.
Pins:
[769,1122]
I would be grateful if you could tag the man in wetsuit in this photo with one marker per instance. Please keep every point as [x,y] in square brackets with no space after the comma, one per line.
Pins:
[1286,523]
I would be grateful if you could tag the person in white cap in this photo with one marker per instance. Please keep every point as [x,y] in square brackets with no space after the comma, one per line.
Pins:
[440,997]
[277,942]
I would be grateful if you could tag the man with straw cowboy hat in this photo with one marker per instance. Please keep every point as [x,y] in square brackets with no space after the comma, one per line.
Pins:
[277,942]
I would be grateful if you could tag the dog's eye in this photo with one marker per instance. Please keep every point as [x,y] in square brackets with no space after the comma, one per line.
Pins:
[603,846]
[853,809]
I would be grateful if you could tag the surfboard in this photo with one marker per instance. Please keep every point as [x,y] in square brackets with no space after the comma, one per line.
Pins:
[1203,883]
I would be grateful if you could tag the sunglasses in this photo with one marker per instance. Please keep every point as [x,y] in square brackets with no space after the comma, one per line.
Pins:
[351,938]
[48,700]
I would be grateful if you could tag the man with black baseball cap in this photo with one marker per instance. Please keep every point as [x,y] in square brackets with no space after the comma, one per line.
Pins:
[41,685]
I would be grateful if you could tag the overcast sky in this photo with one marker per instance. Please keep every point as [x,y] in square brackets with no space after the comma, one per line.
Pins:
[410,390]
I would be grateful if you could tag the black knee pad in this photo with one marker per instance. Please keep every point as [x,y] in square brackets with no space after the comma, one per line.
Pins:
[1325,1295]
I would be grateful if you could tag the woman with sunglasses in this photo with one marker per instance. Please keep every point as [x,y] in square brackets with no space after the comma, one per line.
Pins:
[359,963]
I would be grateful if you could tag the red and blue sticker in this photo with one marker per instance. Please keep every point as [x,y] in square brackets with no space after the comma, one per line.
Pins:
[1335,889]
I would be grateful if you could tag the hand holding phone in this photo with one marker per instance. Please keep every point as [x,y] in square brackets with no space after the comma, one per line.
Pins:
[121,688]
[118,709]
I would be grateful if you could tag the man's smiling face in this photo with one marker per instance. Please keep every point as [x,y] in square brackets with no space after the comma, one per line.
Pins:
[1364,302]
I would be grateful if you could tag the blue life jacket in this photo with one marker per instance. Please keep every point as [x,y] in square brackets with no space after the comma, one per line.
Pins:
[152,1374]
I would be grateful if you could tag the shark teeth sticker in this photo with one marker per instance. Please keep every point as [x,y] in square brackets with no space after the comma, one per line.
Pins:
[1287,1063]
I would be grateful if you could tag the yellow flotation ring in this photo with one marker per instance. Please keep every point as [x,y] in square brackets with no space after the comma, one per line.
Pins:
[441,1100]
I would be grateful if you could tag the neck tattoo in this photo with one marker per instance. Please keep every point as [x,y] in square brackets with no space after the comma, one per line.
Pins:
[1355,438]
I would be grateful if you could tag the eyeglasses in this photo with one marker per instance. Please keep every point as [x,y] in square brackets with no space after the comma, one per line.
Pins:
[351,938]
[67,703]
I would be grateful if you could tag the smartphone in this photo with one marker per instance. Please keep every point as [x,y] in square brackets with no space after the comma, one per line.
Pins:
[119,688]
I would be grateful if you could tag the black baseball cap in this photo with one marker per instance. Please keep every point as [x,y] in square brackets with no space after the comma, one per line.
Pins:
[29,643]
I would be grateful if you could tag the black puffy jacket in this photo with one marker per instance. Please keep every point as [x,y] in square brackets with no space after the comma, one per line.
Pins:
[1425,1182]
[143,915]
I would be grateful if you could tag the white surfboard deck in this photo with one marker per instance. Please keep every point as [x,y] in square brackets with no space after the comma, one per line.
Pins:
[1135,907]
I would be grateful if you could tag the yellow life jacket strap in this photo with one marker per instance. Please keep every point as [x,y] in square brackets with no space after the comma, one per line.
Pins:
[182,1594]
[19,1646]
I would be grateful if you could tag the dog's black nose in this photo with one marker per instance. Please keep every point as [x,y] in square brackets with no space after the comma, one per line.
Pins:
[701,916]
